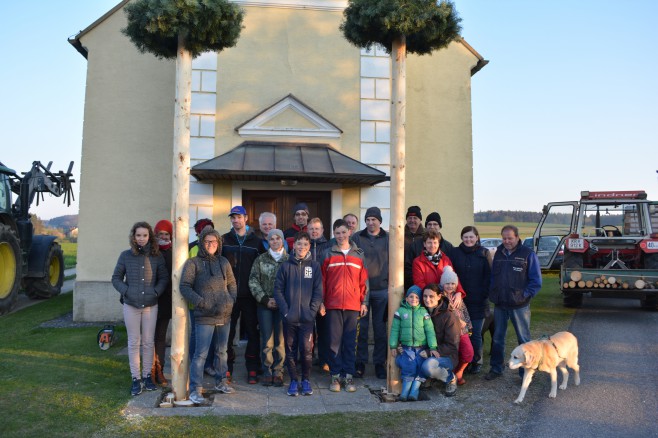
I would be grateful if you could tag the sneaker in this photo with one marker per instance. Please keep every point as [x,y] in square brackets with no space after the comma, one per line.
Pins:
[148,383]
[334,386]
[475,368]
[267,381]
[306,388]
[293,389]
[229,377]
[136,387]
[277,381]
[360,370]
[492,375]
[380,371]
[197,398]
[451,387]
[223,387]
[349,384]
[253,378]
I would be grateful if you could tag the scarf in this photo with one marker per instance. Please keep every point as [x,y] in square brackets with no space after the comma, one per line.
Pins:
[164,244]
[434,258]
[276,255]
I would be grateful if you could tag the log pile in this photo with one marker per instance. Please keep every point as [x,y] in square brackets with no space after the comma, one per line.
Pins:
[618,281]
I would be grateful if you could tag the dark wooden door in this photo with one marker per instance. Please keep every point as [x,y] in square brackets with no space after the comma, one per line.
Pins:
[281,203]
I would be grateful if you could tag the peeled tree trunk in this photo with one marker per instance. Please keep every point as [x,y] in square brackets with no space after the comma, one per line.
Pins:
[180,207]
[398,164]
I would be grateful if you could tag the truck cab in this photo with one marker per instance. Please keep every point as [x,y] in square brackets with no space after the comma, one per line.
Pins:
[610,245]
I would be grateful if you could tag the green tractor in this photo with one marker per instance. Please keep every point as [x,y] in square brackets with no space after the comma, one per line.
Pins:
[32,262]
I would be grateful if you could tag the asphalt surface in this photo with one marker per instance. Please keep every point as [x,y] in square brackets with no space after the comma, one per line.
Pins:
[618,394]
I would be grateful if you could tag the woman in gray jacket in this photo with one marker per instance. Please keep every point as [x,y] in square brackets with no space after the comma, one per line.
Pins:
[140,276]
[208,284]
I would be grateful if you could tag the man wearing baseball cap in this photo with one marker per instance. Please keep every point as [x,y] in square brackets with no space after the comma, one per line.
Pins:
[241,247]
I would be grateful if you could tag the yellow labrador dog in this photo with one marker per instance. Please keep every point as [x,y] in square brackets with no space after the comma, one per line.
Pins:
[547,355]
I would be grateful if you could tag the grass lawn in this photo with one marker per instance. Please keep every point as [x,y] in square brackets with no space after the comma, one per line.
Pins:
[492,229]
[70,254]
[57,382]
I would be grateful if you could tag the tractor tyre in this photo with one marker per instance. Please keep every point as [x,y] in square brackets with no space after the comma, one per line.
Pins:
[11,266]
[649,302]
[572,260]
[572,300]
[50,284]
[651,261]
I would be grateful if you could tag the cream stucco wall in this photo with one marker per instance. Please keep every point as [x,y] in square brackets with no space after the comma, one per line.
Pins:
[128,129]
[126,157]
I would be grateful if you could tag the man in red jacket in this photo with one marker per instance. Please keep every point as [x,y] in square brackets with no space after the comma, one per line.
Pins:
[345,297]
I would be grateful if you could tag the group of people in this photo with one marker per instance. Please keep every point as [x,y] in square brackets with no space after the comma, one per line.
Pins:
[298,293]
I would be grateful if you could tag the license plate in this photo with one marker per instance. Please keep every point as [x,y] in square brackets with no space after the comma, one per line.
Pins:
[576,244]
[652,245]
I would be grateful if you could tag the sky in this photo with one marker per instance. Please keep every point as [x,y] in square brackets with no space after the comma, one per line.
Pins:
[568,101]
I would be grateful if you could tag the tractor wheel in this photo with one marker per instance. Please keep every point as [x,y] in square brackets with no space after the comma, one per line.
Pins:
[11,266]
[571,299]
[50,284]
[572,260]
[651,261]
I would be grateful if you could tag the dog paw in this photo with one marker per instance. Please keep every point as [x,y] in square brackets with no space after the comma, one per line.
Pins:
[552,394]
[563,386]
[577,381]
[518,401]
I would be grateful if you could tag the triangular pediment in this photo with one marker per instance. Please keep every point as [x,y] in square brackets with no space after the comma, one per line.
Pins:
[289,117]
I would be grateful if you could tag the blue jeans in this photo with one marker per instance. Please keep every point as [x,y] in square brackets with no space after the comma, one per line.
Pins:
[272,343]
[378,308]
[431,367]
[476,339]
[520,320]
[213,344]
[410,362]
[204,336]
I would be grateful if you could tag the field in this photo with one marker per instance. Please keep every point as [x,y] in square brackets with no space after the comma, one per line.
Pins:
[70,254]
[57,382]
[492,229]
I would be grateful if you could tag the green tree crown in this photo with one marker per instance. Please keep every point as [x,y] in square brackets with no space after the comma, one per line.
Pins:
[428,25]
[207,25]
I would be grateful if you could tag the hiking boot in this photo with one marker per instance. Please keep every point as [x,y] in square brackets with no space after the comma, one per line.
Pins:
[380,371]
[349,384]
[148,383]
[197,398]
[253,378]
[277,381]
[360,370]
[492,375]
[451,387]
[293,389]
[267,381]
[222,386]
[306,388]
[334,386]
[136,387]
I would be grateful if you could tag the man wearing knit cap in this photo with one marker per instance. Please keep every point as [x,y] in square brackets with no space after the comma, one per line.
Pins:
[301,215]
[432,222]
[373,240]
[413,231]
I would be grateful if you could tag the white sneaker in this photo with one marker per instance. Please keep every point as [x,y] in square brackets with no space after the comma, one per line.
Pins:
[224,388]
[197,398]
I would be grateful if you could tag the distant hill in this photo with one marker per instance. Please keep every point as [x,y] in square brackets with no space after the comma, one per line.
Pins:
[63,222]
[507,216]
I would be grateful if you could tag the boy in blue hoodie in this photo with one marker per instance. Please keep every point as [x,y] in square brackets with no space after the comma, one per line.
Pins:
[298,294]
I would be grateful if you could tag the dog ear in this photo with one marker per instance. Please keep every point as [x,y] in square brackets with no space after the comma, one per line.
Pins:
[528,357]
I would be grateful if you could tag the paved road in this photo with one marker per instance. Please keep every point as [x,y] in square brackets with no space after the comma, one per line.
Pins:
[618,394]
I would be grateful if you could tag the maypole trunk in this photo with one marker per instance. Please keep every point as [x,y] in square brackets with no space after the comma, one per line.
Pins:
[396,243]
[180,199]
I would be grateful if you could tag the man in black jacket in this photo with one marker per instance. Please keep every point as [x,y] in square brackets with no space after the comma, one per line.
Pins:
[241,247]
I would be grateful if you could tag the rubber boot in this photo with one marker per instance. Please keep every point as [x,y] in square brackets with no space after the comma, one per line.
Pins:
[154,372]
[415,387]
[406,387]
[161,377]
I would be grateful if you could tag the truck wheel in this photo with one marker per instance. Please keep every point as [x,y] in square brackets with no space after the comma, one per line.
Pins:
[11,267]
[571,299]
[572,260]
[649,302]
[50,284]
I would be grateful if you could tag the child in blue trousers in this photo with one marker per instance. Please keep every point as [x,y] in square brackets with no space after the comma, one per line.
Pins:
[412,332]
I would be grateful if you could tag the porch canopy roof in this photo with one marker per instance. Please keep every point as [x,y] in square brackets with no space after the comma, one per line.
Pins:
[281,162]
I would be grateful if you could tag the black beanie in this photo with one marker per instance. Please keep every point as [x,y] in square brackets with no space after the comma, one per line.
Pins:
[300,206]
[414,210]
[374,212]
[434,217]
